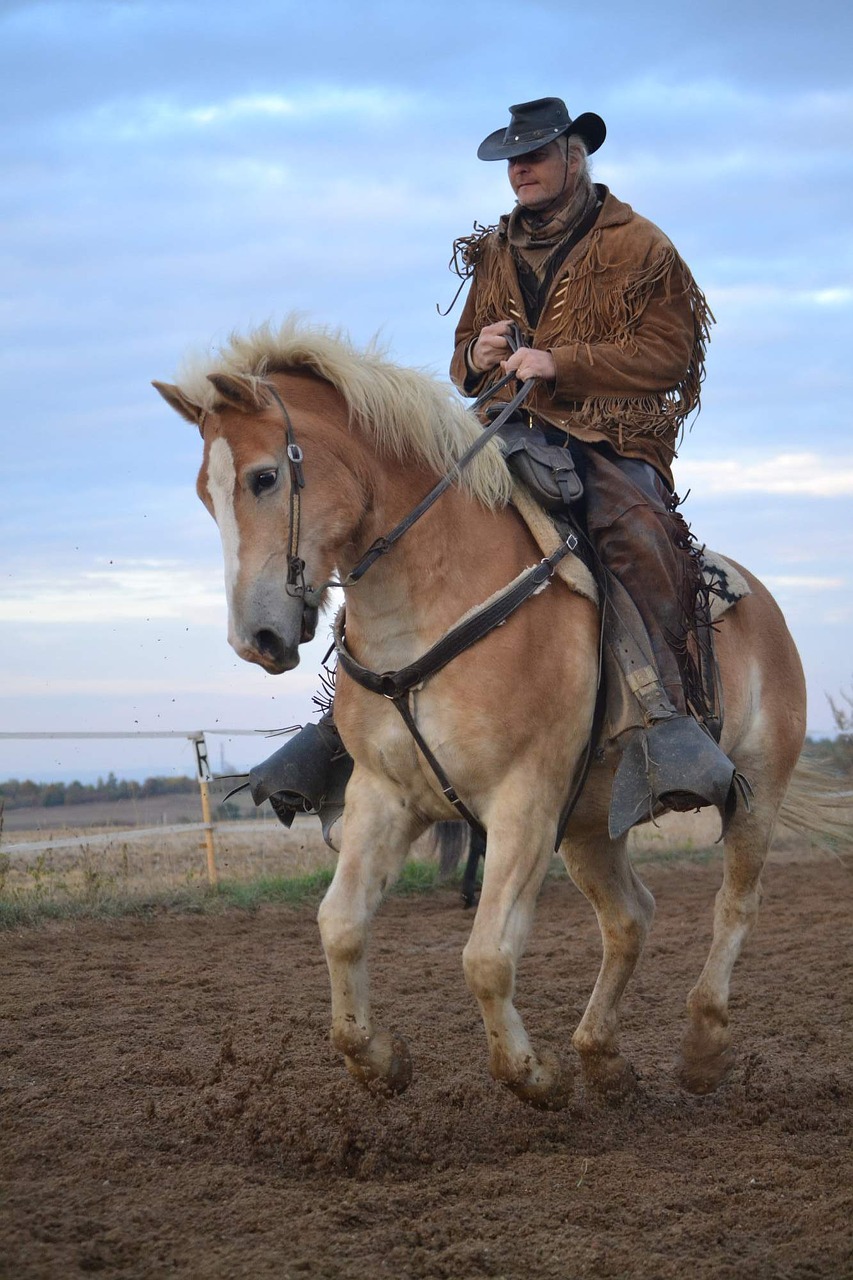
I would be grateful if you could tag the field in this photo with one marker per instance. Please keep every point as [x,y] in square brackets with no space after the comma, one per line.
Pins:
[171,1104]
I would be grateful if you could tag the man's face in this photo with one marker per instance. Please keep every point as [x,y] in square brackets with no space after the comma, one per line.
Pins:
[540,176]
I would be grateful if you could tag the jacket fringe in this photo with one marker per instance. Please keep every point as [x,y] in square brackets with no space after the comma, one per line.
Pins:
[583,309]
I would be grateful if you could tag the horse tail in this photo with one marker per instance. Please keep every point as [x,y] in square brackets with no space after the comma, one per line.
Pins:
[450,841]
[819,805]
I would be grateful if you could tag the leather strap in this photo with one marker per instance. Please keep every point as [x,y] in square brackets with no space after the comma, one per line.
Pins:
[395,684]
[398,685]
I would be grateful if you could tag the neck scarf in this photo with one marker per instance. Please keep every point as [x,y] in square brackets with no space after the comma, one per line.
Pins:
[535,236]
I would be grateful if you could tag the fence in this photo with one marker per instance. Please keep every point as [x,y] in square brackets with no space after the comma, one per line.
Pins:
[198,738]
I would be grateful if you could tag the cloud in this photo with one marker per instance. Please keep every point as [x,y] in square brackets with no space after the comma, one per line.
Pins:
[771,296]
[316,105]
[801,582]
[169,179]
[134,590]
[799,474]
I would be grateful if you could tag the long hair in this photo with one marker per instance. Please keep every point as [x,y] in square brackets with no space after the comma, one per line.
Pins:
[582,192]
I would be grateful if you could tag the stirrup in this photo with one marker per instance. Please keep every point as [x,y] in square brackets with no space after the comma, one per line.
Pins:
[673,764]
[308,774]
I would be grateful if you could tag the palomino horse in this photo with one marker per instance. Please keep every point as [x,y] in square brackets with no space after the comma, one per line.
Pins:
[312,452]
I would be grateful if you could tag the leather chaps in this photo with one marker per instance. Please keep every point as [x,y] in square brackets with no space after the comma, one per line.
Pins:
[631,518]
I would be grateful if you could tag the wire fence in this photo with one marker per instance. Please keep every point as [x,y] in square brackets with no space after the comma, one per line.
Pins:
[208,785]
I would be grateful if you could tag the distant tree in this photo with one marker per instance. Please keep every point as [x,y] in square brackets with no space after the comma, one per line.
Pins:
[53,794]
[843,717]
[76,793]
[28,794]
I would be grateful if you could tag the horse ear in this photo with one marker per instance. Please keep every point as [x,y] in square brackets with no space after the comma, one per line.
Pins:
[244,394]
[176,399]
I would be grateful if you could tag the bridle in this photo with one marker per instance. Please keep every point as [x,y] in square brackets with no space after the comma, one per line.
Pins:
[295,584]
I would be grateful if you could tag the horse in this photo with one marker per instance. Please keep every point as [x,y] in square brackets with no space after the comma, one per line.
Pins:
[312,450]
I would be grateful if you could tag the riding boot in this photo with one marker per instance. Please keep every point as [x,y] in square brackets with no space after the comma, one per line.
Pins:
[308,774]
[672,762]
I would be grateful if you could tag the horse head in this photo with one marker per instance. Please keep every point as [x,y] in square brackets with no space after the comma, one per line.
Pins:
[250,482]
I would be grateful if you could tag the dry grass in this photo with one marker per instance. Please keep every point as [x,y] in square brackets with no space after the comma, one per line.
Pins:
[177,860]
[115,871]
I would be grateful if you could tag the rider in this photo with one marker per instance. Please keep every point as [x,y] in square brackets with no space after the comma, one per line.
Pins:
[613,327]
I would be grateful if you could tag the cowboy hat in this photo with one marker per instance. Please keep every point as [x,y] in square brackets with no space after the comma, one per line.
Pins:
[535,124]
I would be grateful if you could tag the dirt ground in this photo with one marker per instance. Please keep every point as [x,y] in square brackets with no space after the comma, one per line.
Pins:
[171,1104]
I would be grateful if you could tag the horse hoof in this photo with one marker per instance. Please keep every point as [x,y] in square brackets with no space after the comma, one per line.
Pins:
[704,1075]
[384,1065]
[549,1087]
[706,1060]
[609,1076]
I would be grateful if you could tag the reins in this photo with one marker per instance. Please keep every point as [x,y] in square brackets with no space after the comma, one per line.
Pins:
[384,544]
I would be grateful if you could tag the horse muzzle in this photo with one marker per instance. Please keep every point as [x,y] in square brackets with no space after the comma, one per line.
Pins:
[270,637]
[268,649]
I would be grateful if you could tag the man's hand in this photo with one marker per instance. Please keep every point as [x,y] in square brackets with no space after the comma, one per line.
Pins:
[527,362]
[491,346]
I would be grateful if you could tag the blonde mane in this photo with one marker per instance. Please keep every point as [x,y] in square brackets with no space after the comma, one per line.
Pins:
[409,412]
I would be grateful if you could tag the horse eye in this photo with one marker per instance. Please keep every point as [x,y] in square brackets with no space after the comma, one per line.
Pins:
[266,480]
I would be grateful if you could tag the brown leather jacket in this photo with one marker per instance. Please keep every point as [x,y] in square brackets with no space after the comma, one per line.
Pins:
[624,320]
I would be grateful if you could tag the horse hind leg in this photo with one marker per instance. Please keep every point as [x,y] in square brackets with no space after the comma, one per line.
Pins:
[624,908]
[763,676]
[706,1052]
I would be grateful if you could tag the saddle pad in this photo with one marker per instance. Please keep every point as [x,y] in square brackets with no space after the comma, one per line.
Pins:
[572,570]
[726,583]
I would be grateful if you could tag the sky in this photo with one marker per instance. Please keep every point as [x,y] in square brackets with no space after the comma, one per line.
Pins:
[175,171]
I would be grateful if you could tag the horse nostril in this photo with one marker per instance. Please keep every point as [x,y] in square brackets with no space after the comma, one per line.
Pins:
[269,644]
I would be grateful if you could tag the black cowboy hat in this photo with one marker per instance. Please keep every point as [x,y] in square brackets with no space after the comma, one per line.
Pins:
[535,124]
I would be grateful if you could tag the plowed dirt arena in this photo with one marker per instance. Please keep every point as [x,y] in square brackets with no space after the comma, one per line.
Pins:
[172,1106]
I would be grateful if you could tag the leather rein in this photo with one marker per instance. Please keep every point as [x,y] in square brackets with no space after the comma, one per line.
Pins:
[398,686]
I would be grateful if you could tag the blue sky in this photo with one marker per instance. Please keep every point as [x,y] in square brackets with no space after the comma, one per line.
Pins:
[174,171]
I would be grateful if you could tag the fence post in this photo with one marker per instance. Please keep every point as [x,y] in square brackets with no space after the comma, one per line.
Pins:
[204,776]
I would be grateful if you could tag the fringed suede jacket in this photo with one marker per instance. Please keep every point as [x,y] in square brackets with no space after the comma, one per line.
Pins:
[623,318]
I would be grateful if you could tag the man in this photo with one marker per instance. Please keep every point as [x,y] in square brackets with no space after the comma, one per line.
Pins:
[614,330]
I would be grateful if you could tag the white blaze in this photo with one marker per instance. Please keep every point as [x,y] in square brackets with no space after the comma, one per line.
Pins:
[221,479]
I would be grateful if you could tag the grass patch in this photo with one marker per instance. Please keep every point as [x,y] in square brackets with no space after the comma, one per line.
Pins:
[24,908]
[109,886]
[291,891]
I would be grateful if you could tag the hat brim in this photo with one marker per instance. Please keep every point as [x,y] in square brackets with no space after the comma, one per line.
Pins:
[589,126]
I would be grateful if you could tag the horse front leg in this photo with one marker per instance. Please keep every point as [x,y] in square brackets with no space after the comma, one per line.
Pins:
[517,858]
[378,830]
